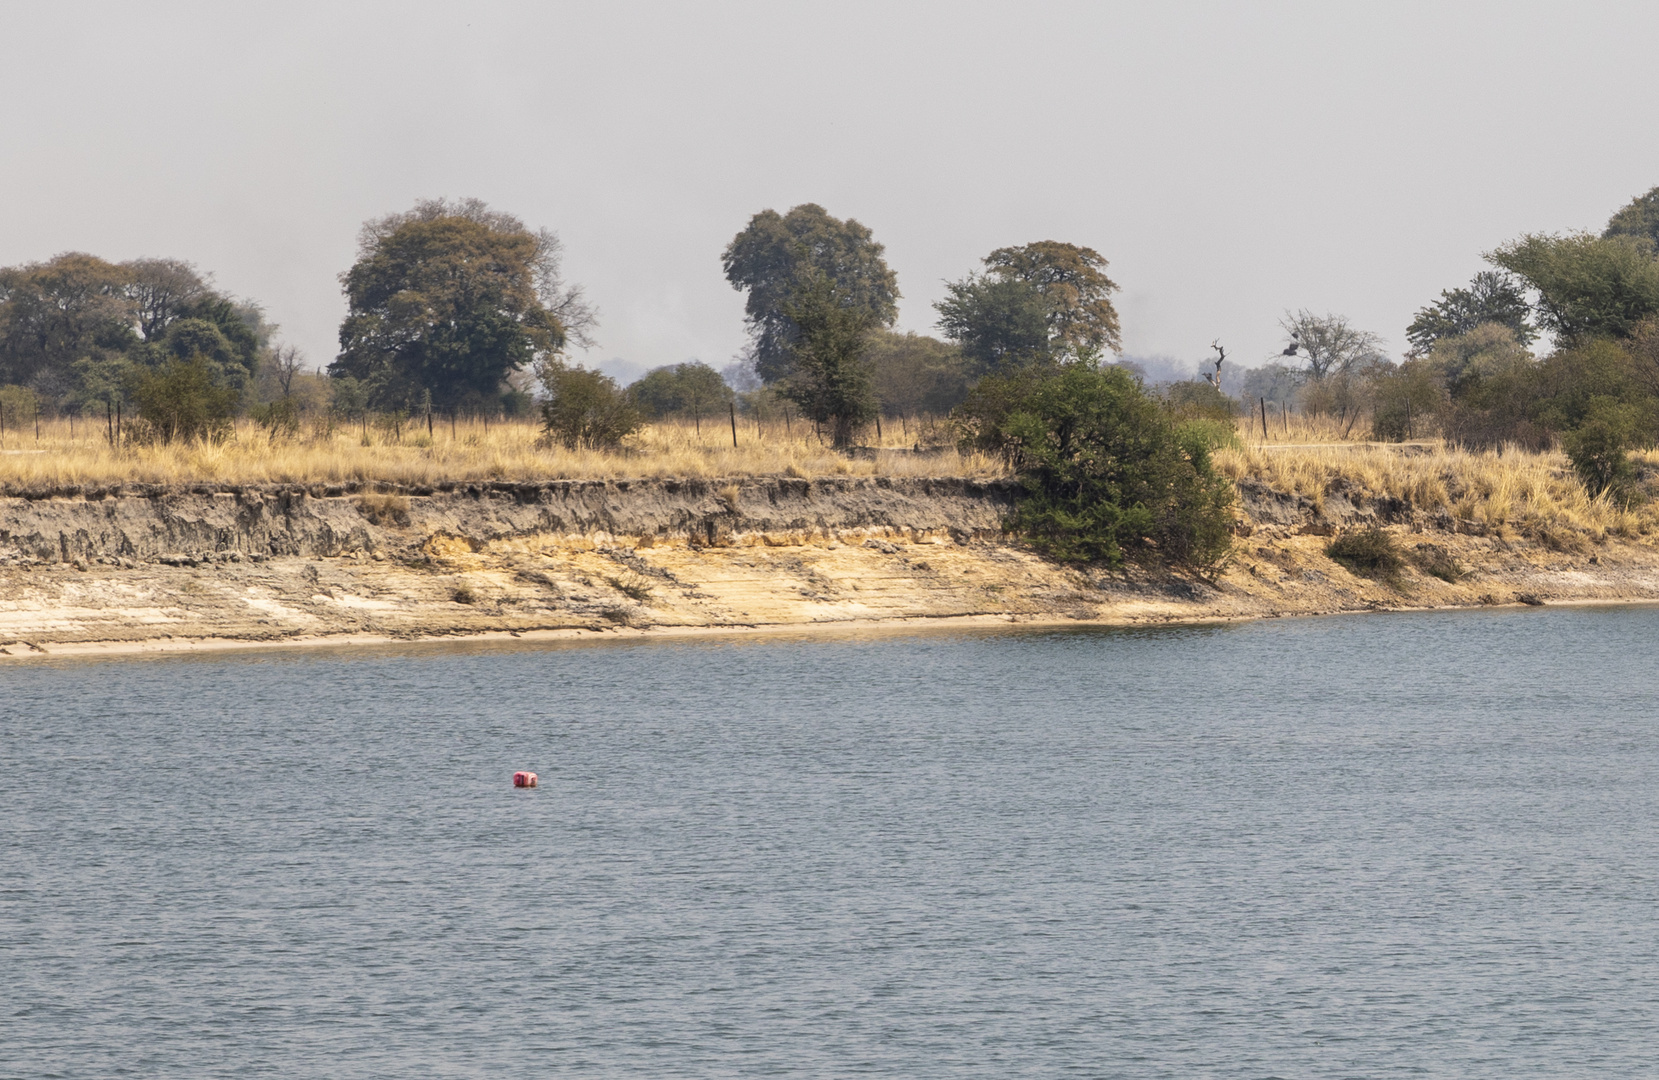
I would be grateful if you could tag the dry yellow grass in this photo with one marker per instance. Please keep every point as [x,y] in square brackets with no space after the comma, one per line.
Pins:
[60,458]
[1512,492]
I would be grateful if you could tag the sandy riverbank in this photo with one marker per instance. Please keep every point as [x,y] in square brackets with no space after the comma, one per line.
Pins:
[105,573]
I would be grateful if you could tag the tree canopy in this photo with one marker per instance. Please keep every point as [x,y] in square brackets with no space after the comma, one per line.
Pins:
[1493,296]
[829,376]
[912,373]
[451,298]
[1000,324]
[55,313]
[689,389]
[1036,303]
[1329,343]
[1638,218]
[78,327]
[1588,286]
[1107,475]
[773,253]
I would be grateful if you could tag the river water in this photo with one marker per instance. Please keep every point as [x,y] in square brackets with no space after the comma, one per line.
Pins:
[1389,845]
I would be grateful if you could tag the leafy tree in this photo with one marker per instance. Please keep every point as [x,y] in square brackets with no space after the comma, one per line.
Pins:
[231,337]
[829,375]
[775,253]
[689,389]
[585,408]
[1588,286]
[1035,303]
[1598,448]
[1406,401]
[1639,219]
[1486,350]
[451,298]
[1107,476]
[1000,324]
[1492,297]
[1275,382]
[913,374]
[1082,323]
[70,308]
[1329,343]
[160,291]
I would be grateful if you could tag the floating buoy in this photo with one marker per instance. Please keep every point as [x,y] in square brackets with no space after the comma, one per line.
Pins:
[524,779]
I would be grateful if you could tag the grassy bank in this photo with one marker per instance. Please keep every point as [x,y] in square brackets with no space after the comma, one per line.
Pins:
[62,455]
[1513,492]
[1509,492]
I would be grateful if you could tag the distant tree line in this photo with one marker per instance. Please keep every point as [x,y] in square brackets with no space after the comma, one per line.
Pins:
[150,336]
[455,308]
[1470,374]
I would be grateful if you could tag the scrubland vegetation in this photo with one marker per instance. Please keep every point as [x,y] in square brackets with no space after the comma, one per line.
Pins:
[456,365]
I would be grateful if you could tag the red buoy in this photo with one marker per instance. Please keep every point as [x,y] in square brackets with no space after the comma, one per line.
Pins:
[524,779]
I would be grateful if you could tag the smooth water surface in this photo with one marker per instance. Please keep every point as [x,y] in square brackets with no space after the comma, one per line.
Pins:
[1376,846]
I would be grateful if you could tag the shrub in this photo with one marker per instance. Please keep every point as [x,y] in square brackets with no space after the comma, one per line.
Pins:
[279,418]
[1437,562]
[692,389]
[182,400]
[1106,475]
[1195,400]
[1369,552]
[18,406]
[1597,450]
[384,508]
[585,408]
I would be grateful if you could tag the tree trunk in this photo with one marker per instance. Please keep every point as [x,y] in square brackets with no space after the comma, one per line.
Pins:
[843,433]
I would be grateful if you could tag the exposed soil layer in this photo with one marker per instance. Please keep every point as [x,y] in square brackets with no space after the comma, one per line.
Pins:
[80,570]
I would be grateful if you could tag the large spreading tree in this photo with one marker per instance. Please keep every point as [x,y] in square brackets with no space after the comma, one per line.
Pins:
[451,298]
[776,254]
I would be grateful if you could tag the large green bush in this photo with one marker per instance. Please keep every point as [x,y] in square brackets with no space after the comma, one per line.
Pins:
[1107,475]
[689,389]
[585,408]
[183,400]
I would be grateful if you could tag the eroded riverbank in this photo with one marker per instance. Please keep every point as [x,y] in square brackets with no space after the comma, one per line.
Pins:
[155,569]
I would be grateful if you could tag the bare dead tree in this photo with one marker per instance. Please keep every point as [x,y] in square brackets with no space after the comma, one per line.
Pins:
[286,362]
[1221,356]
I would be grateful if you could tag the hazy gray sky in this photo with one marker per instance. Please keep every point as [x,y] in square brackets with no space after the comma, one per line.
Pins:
[1230,160]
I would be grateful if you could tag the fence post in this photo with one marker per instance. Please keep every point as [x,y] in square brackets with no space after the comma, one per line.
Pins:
[1264,419]
[732,407]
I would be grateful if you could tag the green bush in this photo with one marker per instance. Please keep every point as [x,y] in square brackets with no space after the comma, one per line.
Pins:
[1597,449]
[1369,552]
[689,389]
[1196,400]
[585,408]
[1438,562]
[1106,475]
[183,400]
